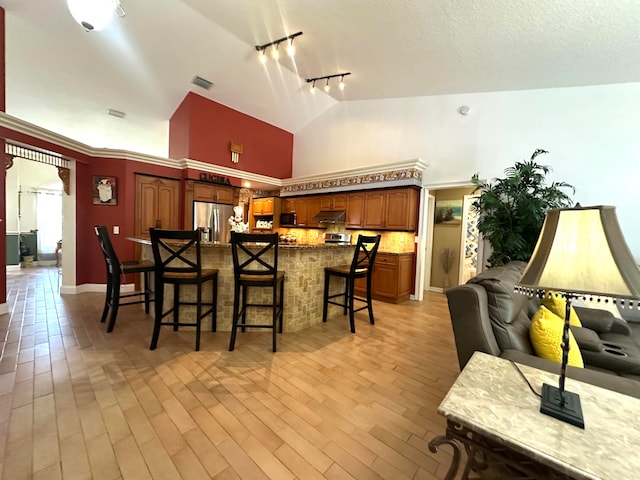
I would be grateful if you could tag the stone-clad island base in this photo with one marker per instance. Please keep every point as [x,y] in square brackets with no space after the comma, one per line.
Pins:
[303,266]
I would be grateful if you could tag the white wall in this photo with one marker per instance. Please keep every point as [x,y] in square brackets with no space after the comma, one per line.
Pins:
[592,135]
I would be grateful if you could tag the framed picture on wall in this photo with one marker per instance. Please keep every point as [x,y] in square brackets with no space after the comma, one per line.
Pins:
[448,212]
[105,191]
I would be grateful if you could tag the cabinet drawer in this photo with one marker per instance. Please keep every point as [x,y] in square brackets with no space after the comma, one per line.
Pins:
[387,259]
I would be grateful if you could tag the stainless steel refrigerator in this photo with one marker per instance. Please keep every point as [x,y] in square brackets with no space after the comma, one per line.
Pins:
[212,219]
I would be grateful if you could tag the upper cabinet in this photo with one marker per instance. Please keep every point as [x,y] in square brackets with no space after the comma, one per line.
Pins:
[333,202]
[388,209]
[265,213]
[401,207]
[263,206]
[355,210]
[206,192]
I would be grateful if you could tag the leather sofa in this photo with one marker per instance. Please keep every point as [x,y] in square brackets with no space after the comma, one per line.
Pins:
[487,315]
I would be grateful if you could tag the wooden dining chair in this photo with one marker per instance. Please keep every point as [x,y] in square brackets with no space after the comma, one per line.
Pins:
[116,269]
[361,267]
[178,262]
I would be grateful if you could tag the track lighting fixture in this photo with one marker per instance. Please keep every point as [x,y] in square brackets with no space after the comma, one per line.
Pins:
[275,53]
[327,87]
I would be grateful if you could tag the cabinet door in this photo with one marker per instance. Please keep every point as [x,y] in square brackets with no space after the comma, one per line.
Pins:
[313,207]
[224,195]
[355,210]
[339,202]
[157,201]
[401,209]
[385,277]
[326,202]
[258,206]
[168,202]
[203,192]
[374,210]
[267,206]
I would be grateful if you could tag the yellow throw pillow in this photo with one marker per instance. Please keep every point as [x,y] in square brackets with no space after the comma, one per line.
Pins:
[558,305]
[546,336]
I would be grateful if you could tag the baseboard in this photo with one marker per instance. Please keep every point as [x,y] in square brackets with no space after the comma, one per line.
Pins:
[93,288]
[436,289]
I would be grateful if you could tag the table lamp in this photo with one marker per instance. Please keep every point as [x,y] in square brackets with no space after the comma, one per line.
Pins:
[581,254]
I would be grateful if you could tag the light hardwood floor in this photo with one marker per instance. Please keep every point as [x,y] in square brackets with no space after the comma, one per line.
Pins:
[78,403]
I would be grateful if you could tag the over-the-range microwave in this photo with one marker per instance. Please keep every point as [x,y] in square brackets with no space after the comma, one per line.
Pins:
[288,219]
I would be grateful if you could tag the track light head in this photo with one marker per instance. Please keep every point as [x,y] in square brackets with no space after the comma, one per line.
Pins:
[327,87]
[341,84]
[262,56]
[275,54]
[313,87]
[291,50]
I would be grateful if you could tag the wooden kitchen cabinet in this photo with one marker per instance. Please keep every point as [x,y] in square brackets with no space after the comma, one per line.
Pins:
[265,210]
[401,209]
[206,192]
[263,206]
[333,202]
[157,204]
[392,278]
[355,210]
[393,209]
[374,209]
[313,208]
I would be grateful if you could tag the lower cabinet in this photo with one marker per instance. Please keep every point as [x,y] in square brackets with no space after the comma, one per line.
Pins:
[392,278]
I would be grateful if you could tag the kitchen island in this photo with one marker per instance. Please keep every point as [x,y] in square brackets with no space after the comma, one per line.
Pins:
[303,265]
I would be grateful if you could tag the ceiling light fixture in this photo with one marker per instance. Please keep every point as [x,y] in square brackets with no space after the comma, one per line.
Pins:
[96,14]
[327,87]
[313,87]
[274,51]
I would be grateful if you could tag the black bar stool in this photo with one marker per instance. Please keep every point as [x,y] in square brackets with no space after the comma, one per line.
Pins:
[115,270]
[255,264]
[178,262]
[361,266]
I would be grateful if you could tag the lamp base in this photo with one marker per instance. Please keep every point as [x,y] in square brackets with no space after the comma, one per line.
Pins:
[570,412]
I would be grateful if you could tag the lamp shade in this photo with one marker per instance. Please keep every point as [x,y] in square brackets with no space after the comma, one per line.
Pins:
[92,14]
[582,251]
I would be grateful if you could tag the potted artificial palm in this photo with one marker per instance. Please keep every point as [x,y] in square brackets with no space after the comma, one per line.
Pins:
[512,209]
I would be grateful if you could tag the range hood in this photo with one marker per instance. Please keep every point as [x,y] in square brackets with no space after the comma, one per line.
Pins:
[330,216]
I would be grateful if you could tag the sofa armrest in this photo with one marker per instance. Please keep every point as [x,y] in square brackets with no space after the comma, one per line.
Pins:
[470,321]
[602,321]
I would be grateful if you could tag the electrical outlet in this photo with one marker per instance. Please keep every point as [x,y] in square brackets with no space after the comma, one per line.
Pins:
[116,230]
[402,239]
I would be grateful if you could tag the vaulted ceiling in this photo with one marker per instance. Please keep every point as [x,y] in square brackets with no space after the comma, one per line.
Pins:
[63,78]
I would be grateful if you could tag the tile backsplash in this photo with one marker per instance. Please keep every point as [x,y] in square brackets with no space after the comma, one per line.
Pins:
[391,242]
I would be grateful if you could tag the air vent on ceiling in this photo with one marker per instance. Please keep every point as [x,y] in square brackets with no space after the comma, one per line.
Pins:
[116,113]
[202,82]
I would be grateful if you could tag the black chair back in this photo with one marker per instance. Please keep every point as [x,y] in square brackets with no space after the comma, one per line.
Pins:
[110,258]
[365,254]
[170,249]
[255,254]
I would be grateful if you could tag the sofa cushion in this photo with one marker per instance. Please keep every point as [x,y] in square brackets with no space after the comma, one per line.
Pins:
[546,336]
[509,312]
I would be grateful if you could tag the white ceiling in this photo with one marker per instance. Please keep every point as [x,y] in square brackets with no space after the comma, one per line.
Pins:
[64,79]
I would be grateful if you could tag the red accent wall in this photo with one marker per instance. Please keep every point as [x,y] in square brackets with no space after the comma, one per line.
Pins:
[89,260]
[201,129]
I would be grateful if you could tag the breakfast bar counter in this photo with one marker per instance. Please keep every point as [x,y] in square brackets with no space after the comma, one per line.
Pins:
[303,266]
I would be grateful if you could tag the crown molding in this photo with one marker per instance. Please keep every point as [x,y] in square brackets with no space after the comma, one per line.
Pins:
[406,172]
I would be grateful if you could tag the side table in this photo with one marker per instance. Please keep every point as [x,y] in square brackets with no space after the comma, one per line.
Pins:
[491,411]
